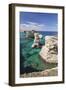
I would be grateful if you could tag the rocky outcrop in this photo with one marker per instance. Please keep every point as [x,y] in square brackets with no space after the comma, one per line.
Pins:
[29,34]
[49,51]
[47,72]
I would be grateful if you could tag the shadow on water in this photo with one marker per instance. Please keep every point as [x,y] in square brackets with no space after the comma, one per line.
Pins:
[28,69]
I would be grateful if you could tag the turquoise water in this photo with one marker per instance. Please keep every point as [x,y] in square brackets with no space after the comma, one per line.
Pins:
[30,60]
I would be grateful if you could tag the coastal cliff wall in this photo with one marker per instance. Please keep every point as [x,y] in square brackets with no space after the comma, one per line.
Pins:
[49,51]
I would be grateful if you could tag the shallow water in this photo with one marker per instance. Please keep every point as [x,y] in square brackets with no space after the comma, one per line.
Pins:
[29,57]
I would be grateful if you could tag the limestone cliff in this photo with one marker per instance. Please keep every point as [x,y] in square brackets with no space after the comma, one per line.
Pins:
[49,51]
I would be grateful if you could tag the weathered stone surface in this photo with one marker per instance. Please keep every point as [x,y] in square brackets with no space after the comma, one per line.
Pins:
[51,72]
[36,40]
[29,34]
[49,51]
[47,72]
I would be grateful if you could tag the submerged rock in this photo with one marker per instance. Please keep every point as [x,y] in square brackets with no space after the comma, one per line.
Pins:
[49,51]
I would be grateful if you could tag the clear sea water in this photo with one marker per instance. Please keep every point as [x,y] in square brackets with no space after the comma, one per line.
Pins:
[29,57]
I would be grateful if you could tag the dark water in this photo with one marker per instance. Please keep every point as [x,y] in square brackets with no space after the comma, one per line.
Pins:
[50,33]
[29,57]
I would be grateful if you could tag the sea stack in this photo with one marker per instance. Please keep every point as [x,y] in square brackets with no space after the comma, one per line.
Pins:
[30,34]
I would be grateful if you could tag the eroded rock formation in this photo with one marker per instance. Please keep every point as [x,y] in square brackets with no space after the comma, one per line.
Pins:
[49,51]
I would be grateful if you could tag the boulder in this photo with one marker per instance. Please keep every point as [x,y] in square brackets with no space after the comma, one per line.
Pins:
[49,51]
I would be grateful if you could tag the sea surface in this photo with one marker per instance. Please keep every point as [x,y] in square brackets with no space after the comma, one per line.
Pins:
[50,33]
[29,57]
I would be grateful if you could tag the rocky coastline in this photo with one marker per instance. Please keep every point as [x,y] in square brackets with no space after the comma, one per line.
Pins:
[48,54]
